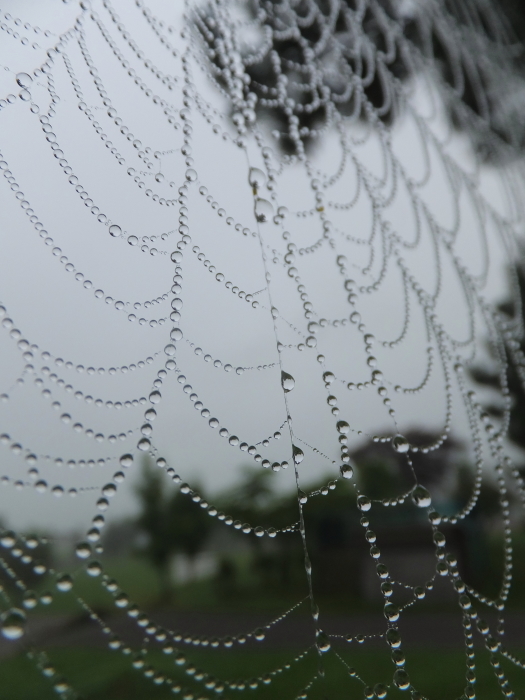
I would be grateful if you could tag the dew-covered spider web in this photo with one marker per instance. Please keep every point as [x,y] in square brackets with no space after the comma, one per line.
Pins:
[275,233]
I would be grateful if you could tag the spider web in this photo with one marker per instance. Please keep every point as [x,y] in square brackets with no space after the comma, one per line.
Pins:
[278,228]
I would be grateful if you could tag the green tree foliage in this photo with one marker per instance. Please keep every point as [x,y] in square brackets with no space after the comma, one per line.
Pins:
[171,522]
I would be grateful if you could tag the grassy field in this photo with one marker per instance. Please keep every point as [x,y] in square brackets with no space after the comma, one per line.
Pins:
[108,675]
[141,582]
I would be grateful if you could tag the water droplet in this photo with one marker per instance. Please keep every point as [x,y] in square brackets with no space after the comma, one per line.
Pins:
[30,600]
[322,642]
[421,497]
[263,210]
[342,427]
[144,444]
[176,334]
[8,539]
[328,377]
[259,634]
[303,498]
[380,691]
[115,230]
[400,444]
[94,568]
[24,79]
[64,583]
[61,686]
[259,531]
[155,396]
[298,454]
[121,600]
[126,460]
[465,602]
[347,471]
[180,659]
[109,490]
[191,175]
[393,637]
[83,550]
[170,350]
[256,178]
[402,679]
[363,503]
[12,623]
[391,612]
[287,381]
[41,486]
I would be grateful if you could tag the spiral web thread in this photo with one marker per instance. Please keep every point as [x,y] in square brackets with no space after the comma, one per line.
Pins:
[308,248]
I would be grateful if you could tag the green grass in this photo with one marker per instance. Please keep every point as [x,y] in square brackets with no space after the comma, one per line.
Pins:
[107,675]
[141,582]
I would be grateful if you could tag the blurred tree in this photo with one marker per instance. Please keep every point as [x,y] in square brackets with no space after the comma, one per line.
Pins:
[384,473]
[188,525]
[512,311]
[171,521]
[490,104]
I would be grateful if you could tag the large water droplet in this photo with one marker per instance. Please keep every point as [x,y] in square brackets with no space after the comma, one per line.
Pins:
[12,624]
[328,377]
[421,497]
[256,178]
[94,568]
[109,490]
[322,642]
[402,679]
[83,550]
[298,454]
[347,471]
[380,691]
[343,427]
[400,444]
[155,396]
[191,175]
[393,637]
[287,381]
[64,583]
[24,79]
[144,444]
[30,600]
[363,503]
[126,460]
[8,539]
[263,210]
[115,230]
[391,612]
